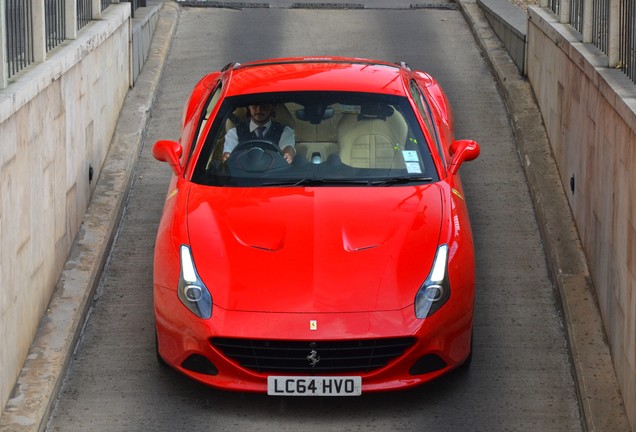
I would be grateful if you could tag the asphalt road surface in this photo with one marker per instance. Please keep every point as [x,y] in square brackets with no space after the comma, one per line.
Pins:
[520,378]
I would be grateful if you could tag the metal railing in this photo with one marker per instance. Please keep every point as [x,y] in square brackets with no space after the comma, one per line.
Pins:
[600,24]
[19,44]
[135,4]
[554,6]
[611,27]
[627,44]
[55,23]
[576,14]
[26,42]
[84,12]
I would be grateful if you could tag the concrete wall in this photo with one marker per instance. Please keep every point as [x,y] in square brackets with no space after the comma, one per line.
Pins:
[589,112]
[510,24]
[143,29]
[56,121]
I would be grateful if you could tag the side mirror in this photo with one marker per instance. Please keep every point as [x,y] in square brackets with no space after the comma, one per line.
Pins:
[169,151]
[462,151]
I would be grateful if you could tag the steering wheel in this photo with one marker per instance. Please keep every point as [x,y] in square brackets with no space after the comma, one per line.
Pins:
[257,155]
[263,144]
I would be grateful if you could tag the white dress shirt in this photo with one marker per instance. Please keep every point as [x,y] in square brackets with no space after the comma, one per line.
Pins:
[288,138]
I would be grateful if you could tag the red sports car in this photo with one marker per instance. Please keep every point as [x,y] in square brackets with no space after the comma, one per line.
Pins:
[315,238]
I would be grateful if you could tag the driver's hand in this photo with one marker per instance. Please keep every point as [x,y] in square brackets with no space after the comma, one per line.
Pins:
[226,155]
[289,153]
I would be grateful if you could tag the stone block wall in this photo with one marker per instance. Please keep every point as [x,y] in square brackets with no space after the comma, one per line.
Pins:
[589,112]
[56,122]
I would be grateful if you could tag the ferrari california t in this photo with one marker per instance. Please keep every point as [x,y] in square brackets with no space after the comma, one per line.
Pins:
[315,239]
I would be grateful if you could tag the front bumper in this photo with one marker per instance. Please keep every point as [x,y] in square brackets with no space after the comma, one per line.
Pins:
[441,342]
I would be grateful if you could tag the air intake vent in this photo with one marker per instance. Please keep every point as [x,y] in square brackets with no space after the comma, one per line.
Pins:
[313,357]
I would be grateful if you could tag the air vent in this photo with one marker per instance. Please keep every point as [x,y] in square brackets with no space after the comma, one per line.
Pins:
[319,357]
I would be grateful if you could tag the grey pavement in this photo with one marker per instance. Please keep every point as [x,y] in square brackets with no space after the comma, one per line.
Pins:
[599,398]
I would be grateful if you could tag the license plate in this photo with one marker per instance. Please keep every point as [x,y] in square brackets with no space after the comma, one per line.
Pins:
[314,386]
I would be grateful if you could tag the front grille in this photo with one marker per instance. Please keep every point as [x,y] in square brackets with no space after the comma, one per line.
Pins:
[313,357]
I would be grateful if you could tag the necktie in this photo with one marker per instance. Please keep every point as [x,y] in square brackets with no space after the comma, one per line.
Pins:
[259,131]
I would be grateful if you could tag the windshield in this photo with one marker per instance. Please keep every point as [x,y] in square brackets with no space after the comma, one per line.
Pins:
[314,138]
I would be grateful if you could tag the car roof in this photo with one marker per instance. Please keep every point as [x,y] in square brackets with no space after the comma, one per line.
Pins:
[316,74]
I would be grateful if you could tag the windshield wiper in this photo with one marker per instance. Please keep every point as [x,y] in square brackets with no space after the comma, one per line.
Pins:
[401,180]
[317,182]
[349,182]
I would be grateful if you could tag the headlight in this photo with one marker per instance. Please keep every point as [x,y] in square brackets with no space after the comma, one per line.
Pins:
[436,290]
[192,291]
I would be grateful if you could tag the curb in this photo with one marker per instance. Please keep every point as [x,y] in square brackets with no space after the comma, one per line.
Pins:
[600,401]
[34,394]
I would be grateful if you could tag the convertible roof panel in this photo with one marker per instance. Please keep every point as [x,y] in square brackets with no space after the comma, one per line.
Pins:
[311,74]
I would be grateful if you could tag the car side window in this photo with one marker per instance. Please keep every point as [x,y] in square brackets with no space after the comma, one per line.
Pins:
[425,112]
[212,101]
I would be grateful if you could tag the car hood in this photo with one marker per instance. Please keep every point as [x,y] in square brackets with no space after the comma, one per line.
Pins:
[312,250]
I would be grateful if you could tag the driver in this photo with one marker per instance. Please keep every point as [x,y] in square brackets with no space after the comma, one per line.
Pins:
[261,125]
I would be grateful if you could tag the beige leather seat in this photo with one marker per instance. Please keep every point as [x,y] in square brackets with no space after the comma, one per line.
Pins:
[369,141]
